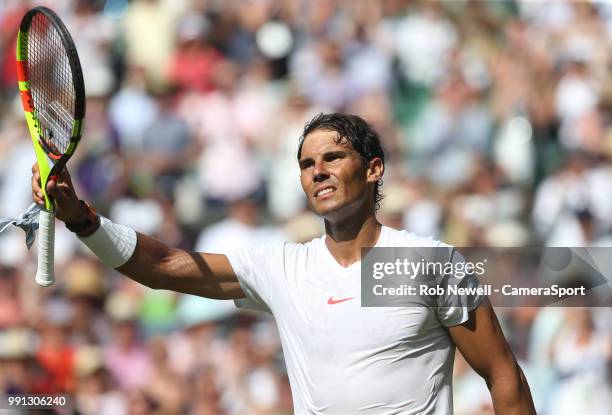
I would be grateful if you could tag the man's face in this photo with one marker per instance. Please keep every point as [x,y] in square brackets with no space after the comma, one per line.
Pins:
[334,176]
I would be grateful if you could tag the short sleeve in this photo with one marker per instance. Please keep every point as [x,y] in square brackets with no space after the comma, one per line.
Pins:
[259,272]
[453,309]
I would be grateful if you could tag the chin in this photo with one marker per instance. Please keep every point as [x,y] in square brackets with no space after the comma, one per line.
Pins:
[323,210]
[332,211]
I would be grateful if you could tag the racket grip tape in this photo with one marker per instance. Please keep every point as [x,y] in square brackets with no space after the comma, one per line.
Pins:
[45,276]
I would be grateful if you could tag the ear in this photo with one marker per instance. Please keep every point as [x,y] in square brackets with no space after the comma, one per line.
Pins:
[376,169]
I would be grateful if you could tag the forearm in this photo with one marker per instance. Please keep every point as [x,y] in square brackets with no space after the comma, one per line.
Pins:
[137,256]
[147,263]
[510,392]
[140,257]
[153,264]
[482,343]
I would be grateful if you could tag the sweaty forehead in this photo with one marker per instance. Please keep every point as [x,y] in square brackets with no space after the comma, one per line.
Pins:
[323,141]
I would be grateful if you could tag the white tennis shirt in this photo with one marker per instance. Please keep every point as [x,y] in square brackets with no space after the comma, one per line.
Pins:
[343,358]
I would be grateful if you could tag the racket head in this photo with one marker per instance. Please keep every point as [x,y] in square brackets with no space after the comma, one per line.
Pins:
[52,90]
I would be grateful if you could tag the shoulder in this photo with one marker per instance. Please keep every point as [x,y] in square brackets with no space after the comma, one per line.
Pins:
[284,248]
[303,248]
[423,246]
[401,238]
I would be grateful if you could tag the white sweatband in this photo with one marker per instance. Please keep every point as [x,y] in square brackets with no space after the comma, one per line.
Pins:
[114,244]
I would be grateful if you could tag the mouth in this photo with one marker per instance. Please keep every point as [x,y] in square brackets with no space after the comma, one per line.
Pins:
[324,192]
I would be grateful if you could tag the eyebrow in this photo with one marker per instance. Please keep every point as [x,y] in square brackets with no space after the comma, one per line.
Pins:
[303,162]
[334,153]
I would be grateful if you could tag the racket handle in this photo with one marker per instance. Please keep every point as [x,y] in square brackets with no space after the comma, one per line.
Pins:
[46,244]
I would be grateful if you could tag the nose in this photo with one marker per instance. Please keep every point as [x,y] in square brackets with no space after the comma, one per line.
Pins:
[319,171]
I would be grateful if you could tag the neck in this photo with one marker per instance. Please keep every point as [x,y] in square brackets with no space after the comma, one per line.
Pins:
[345,238]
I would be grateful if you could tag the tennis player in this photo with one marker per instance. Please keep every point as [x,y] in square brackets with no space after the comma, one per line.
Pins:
[341,358]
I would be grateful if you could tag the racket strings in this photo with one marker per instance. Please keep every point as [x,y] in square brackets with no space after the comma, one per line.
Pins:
[51,84]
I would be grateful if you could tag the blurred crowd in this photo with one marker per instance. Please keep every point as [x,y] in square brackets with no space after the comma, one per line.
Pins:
[497,117]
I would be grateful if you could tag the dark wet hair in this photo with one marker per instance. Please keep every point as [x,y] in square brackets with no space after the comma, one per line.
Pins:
[356,131]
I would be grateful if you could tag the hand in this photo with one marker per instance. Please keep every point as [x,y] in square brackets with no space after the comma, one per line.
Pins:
[68,208]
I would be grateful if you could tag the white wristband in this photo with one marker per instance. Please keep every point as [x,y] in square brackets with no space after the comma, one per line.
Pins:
[114,244]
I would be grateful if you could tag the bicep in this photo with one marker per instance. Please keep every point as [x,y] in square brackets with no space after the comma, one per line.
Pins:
[203,274]
[207,275]
[482,342]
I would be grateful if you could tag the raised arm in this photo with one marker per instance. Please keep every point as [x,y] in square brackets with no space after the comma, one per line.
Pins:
[485,348]
[152,263]
[157,266]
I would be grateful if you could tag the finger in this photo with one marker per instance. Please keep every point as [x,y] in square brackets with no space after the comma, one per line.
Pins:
[36,174]
[64,178]
[35,183]
[38,200]
[37,196]
[58,191]
[51,187]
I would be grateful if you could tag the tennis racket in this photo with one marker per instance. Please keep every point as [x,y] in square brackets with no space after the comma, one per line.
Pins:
[53,99]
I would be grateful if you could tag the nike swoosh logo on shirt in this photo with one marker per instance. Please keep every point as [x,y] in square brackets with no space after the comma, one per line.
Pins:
[331,300]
